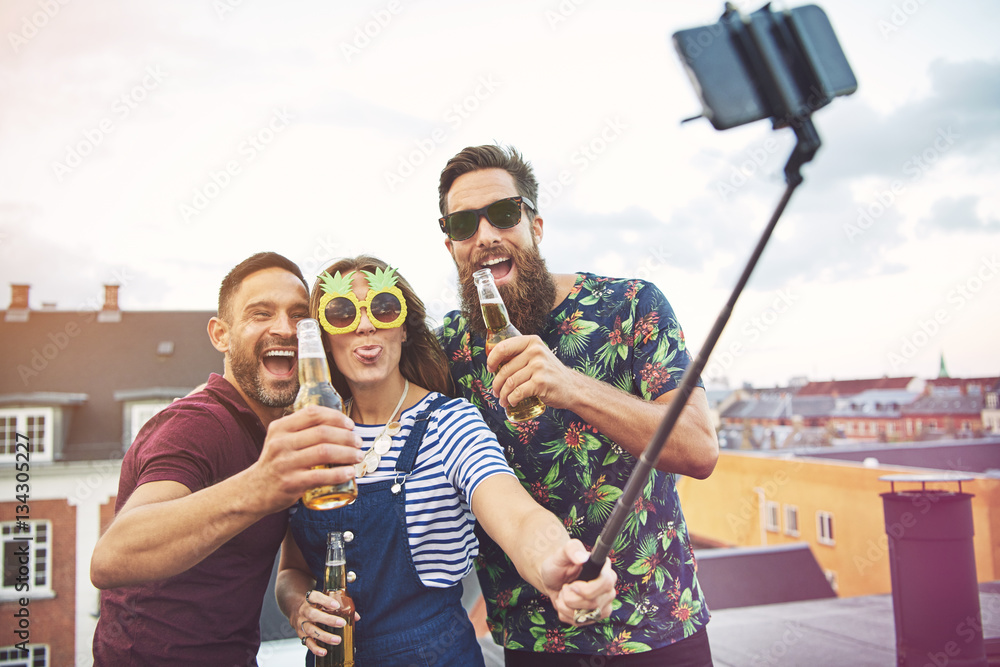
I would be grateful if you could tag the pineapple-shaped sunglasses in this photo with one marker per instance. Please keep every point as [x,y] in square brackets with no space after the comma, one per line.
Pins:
[340,310]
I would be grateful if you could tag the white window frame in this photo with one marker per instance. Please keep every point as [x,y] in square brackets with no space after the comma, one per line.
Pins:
[40,449]
[140,413]
[791,520]
[11,655]
[772,516]
[824,528]
[10,534]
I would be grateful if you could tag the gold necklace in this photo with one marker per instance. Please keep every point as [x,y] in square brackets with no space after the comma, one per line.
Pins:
[383,441]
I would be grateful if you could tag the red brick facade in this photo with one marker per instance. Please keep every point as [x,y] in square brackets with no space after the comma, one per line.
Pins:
[53,620]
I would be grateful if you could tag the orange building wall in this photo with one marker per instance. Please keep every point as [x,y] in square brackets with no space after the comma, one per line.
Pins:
[53,620]
[725,509]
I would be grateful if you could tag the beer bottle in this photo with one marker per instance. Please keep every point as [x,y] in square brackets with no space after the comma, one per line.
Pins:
[499,328]
[315,389]
[335,585]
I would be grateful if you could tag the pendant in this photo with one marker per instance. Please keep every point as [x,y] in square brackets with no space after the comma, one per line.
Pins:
[371,460]
[392,428]
[359,469]
[382,445]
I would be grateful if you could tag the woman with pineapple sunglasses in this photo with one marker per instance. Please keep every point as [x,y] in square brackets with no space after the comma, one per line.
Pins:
[432,470]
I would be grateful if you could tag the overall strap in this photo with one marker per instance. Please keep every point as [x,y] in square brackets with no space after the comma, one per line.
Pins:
[408,457]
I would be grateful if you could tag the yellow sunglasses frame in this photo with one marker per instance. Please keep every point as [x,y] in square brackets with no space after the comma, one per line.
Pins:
[352,297]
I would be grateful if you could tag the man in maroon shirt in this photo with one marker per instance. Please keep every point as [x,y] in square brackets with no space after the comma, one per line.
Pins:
[204,489]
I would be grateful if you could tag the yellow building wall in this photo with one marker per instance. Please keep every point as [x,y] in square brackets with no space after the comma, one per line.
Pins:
[726,508]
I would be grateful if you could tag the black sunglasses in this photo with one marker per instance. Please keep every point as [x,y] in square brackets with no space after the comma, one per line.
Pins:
[502,214]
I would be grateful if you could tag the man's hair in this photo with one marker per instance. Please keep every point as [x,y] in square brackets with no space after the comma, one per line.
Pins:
[258,262]
[492,156]
[422,361]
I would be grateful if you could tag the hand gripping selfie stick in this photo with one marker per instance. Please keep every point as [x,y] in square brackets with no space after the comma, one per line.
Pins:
[781,66]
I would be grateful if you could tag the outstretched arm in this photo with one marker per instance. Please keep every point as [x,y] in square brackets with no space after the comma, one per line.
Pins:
[165,529]
[538,545]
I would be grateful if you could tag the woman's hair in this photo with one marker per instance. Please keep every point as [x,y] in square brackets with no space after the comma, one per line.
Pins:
[422,361]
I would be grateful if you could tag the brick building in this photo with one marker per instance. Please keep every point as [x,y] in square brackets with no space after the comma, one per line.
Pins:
[76,388]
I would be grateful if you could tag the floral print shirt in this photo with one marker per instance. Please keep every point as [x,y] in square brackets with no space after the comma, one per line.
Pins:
[622,332]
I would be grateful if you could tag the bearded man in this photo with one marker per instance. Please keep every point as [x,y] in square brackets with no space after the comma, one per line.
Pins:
[606,356]
[204,489]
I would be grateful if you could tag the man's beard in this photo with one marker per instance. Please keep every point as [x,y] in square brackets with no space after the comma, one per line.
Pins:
[247,373]
[529,298]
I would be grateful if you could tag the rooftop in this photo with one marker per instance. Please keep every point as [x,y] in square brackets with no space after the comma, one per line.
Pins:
[851,387]
[859,632]
[90,366]
[975,455]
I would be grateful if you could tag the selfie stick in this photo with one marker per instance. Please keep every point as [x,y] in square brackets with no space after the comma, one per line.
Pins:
[764,67]
[805,149]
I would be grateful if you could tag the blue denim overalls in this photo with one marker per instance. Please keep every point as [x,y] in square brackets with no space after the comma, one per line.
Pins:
[416,624]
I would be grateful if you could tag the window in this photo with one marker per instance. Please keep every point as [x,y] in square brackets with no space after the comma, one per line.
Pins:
[27,567]
[35,424]
[824,528]
[37,655]
[791,520]
[771,516]
[139,414]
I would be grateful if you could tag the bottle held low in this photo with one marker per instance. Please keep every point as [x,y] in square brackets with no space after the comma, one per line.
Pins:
[335,585]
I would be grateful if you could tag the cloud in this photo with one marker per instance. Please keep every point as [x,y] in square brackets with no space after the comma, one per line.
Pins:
[958,214]
[845,219]
[341,108]
[690,238]
[960,116]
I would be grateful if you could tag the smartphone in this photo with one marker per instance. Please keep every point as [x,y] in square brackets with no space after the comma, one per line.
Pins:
[780,65]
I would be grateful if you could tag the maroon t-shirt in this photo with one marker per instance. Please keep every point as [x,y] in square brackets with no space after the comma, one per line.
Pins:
[210,614]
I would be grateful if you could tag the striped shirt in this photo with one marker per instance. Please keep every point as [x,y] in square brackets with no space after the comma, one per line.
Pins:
[458,452]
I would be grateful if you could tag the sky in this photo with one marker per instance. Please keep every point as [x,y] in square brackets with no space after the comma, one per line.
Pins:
[155,145]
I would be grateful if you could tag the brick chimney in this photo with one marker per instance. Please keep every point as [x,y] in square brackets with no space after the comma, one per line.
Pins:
[19,296]
[110,297]
[18,310]
[110,311]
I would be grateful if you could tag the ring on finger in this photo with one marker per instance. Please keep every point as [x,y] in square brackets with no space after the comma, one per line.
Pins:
[586,615]
[307,595]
